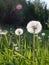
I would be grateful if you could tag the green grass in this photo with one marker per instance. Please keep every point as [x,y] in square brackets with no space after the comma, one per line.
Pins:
[9,56]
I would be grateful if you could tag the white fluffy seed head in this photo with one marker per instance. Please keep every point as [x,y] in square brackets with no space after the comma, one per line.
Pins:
[34,27]
[39,37]
[3,32]
[16,49]
[43,34]
[48,36]
[19,31]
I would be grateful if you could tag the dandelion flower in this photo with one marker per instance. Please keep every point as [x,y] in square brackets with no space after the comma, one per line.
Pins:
[34,27]
[39,38]
[3,32]
[16,49]
[19,31]
[43,34]
[48,36]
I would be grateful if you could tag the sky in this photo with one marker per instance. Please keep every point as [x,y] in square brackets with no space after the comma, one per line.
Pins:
[46,1]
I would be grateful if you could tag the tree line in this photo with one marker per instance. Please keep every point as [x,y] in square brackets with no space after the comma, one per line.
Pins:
[30,11]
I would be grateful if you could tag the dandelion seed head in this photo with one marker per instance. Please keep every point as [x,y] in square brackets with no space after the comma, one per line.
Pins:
[48,36]
[3,32]
[19,31]
[16,49]
[43,34]
[34,27]
[39,38]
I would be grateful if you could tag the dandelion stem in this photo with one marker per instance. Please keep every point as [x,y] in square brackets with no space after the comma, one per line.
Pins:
[34,47]
[19,41]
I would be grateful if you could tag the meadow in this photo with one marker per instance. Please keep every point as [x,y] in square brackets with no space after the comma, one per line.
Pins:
[19,51]
[21,44]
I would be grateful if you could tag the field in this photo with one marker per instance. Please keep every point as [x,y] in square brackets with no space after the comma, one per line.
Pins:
[15,50]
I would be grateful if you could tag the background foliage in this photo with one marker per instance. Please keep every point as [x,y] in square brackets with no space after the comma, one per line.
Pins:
[30,11]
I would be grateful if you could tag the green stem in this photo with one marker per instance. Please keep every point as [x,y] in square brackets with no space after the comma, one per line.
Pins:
[19,49]
[19,41]
[33,48]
